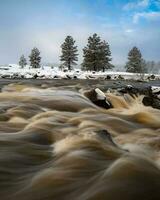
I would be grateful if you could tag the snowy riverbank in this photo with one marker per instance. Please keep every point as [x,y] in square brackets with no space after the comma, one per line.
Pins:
[46,72]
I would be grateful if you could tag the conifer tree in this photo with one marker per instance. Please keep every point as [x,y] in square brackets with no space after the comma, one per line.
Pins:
[22,61]
[106,56]
[91,54]
[69,55]
[135,64]
[35,58]
[97,55]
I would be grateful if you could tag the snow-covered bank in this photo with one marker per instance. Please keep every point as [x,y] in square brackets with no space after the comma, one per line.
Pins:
[46,72]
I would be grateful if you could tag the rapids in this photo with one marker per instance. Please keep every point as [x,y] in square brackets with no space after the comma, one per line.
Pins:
[56,144]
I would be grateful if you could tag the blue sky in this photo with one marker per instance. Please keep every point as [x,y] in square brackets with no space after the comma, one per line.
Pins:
[45,23]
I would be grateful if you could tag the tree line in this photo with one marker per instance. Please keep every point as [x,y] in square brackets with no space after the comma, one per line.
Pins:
[96,56]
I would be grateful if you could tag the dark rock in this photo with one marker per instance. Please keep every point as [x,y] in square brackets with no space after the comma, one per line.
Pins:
[151,77]
[108,77]
[98,98]
[155,91]
[55,77]
[151,101]
[65,70]
[105,135]
[130,90]
[35,76]
[6,76]
[103,104]
[68,77]
[120,77]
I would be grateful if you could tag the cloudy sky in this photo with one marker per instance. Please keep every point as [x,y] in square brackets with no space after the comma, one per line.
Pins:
[25,24]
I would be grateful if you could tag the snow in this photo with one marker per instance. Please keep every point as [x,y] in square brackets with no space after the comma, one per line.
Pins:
[48,72]
[100,94]
[155,89]
[129,86]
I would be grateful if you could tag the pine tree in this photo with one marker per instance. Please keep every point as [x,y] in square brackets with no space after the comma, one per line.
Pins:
[69,53]
[106,56]
[91,54]
[136,63]
[35,58]
[97,55]
[22,61]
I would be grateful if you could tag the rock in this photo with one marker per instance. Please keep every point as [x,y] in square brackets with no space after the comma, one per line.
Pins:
[98,98]
[108,77]
[152,94]
[130,90]
[151,101]
[68,76]
[35,76]
[100,94]
[153,97]
[56,77]
[151,77]
[106,136]
[155,90]
[120,77]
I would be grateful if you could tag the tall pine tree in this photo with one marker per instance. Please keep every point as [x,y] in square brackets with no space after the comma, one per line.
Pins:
[22,61]
[91,54]
[97,55]
[136,63]
[106,56]
[35,58]
[69,55]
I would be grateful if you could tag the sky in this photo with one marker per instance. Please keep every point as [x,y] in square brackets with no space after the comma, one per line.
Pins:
[44,24]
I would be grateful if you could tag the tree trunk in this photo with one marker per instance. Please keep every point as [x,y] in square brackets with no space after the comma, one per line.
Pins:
[94,68]
[69,65]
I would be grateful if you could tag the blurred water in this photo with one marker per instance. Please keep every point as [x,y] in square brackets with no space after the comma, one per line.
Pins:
[56,144]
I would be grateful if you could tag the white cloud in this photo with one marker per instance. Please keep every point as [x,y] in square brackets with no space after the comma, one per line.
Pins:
[129,30]
[151,16]
[136,5]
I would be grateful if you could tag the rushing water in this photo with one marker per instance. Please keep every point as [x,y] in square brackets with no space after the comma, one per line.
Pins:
[55,144]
